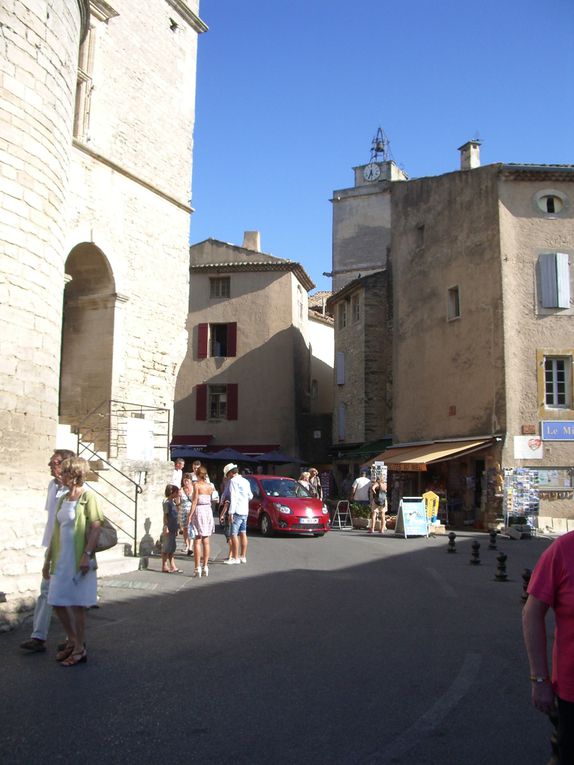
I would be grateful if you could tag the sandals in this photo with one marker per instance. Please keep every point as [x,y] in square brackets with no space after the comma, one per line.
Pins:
[75,658]
[65,652]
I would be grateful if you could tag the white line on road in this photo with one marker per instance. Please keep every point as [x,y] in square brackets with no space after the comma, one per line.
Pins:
[431,719]
[446,588]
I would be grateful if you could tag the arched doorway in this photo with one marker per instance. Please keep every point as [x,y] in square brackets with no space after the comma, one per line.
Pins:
[87,341]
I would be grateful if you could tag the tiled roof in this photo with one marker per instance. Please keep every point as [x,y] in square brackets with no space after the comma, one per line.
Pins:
[254,265]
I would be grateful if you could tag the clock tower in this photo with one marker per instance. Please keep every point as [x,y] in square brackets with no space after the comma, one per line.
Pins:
[362,216]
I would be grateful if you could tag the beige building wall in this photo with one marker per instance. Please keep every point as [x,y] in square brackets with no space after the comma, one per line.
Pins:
[531,330]
[322,354]
[271,367]
[448,372]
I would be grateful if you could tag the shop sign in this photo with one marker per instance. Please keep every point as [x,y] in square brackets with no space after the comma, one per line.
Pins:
[557,430]
[409,467]
[528,448]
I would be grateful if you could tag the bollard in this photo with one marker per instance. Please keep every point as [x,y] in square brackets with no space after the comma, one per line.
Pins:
[493,534]
[526,574]
[451,547]
[475,554]
[501,575]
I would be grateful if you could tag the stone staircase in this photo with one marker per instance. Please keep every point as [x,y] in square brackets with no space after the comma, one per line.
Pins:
[111,487]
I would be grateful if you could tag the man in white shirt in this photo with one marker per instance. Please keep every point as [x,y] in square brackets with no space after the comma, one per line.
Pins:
[178,466]
[239,496]
[42,611]
[360,490]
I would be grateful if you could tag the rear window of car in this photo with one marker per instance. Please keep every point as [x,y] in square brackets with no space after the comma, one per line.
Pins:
[283,487]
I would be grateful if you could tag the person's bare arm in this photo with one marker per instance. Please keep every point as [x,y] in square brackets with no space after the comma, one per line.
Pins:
[534,632]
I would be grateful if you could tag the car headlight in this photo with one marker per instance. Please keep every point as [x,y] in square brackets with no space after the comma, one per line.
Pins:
[325,510]
[283,508]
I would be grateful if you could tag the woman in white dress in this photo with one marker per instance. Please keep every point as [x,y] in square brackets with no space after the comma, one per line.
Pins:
[70,562]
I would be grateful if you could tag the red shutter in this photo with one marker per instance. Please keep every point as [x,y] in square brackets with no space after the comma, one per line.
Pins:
[201,402]
[202,341]
[232,339]
[232,401]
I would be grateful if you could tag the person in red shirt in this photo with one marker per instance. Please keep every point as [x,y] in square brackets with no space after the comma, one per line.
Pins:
[552,586]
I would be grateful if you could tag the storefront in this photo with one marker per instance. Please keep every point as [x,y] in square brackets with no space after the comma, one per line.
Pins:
[464,473]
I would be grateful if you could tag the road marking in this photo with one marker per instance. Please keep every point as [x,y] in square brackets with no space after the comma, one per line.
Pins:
[446,588]
[431,719]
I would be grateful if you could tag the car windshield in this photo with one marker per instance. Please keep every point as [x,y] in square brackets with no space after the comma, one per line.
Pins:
[283,487]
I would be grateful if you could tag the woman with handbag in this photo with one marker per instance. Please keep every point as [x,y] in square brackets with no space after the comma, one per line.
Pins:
[70,562]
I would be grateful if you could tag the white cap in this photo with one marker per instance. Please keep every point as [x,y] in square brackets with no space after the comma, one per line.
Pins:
[229,467]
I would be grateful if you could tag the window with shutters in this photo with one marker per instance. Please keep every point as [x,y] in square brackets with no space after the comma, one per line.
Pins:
[217,402]
[220,287]
[342,314]
[219,339]
[551,202]
[340,368]
[553,280]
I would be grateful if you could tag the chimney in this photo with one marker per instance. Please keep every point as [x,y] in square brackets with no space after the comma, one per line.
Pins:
[252,240]
[470,155]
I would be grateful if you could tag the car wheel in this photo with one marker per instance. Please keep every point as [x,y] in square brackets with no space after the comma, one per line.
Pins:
[265,525]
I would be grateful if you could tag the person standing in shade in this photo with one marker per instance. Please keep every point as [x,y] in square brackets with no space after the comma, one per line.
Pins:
[42,611]
[201,519]
[552,586]
[315,482]
[177,476]
[239,496]
[170,526]
[185,499]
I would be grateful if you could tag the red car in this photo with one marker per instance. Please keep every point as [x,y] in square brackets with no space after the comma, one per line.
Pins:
[282,504]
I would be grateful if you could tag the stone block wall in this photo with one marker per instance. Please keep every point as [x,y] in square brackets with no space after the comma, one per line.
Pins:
[37,85]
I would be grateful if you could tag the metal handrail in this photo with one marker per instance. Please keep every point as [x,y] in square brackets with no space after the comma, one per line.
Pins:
[137,490]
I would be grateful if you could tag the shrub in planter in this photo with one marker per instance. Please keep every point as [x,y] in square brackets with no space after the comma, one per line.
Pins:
[360,511]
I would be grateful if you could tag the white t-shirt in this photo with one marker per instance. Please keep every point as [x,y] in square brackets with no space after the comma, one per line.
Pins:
[176,478]
[360,491]
[239,495]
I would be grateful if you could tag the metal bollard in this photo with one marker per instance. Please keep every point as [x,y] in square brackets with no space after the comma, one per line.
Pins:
[493,533]
[475,554]
[501,575]
[526,574]
[451,548]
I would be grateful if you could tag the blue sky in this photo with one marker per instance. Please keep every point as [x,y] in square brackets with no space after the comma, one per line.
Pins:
[290,95]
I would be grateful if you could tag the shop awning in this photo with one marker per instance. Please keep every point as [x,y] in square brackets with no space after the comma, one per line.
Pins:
[416,457]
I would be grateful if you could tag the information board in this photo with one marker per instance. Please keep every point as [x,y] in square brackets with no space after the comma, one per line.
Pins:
[412,518]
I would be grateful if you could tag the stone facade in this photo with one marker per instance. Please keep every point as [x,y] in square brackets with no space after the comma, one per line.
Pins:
[254,387]
[481,308]
[92,197]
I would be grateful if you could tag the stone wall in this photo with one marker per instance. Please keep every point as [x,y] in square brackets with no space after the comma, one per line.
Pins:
[38,76]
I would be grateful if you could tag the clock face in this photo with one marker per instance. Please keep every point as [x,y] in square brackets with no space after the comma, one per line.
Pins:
[371,172]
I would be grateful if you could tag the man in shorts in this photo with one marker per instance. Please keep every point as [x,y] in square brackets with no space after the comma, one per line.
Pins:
[239,496]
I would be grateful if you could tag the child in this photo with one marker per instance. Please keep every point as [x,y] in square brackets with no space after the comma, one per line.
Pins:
[170,526]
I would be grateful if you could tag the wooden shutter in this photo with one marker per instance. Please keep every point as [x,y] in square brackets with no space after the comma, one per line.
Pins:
[232,339]
[201,402]
[202,341]
[554,280]
[232,401]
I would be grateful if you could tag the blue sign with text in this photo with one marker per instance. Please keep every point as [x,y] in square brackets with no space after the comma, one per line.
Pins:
[557,430]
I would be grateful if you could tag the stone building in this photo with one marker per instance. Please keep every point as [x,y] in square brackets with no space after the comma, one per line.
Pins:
[246,380]
[93,198]
[482,331]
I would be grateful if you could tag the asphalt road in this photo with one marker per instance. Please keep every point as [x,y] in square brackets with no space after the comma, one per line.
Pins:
[348,649]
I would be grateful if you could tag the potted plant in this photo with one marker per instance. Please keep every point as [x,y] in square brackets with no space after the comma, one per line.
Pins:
[360,515]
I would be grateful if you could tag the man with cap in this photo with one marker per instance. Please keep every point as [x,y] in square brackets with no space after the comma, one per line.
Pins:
[239,496]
